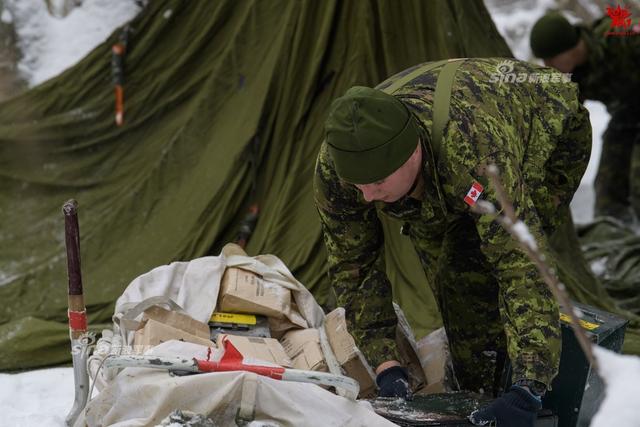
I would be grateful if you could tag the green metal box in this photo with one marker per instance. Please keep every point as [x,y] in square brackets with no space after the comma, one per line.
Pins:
[577,390]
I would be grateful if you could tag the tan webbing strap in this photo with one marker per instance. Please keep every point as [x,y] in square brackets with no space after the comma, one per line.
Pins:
[412,75]
[442,101]
[247,408]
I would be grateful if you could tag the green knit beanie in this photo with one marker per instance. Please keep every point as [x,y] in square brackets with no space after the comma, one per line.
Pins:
[551,35]
[370,134]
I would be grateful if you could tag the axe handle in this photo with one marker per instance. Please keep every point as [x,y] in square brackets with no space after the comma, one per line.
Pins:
[77,313]
[72,239]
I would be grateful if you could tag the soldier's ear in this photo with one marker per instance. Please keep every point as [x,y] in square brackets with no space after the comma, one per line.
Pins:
[417,153]
[418,146]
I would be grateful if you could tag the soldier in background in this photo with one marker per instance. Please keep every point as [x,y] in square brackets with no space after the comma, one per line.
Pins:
[383,155]
[606,67]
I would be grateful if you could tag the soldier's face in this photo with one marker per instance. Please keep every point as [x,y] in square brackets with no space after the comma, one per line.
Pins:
[563,62]
[396,185]
[568,60]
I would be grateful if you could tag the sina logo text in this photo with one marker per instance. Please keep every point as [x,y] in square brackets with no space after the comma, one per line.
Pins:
[506,73]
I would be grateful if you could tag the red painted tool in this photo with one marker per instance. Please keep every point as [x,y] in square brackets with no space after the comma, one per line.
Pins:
[232,360]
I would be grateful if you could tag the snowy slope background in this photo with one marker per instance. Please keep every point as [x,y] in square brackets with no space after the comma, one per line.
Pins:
[48,45]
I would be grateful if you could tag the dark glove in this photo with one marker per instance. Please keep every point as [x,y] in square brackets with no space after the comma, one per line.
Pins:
[516,408]
[393,382]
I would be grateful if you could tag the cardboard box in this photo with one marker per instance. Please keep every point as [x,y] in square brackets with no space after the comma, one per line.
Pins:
[303,347]
[243,291]
[279,327]
[153,333]
[294,341]
[347,353]
[310,358]
[255,349]
[177,320]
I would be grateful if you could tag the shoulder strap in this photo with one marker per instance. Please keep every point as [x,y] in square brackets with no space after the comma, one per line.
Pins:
[442,101]
[391,89]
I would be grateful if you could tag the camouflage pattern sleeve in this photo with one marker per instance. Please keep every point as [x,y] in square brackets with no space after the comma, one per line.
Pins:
[354,240]
[528,310]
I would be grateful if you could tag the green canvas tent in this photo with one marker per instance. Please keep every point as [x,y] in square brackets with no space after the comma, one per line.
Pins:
[225,103]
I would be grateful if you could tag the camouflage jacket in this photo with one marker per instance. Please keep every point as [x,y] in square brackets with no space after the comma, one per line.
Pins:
[611,74]
[492,120]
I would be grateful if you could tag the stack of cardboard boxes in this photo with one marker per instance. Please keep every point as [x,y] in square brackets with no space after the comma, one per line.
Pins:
[292,343]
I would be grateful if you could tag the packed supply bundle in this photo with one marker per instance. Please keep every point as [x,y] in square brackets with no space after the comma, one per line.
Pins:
[253,333]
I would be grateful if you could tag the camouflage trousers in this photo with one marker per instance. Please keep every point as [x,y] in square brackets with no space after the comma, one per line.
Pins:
[465,286]
[617,183]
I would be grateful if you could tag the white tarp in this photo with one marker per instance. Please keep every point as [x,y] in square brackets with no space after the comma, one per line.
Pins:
[144,397]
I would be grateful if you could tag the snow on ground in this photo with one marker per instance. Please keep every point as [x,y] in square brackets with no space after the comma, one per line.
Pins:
[622,398]
[583,200]
[50,45]
[39,398]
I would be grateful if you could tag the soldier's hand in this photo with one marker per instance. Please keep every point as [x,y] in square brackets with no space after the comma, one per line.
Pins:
[516,408]
[394,382]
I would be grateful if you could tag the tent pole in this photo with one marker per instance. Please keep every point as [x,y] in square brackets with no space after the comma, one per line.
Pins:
[76,313]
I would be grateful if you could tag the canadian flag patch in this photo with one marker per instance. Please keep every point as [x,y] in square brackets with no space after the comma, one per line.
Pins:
[474,193]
